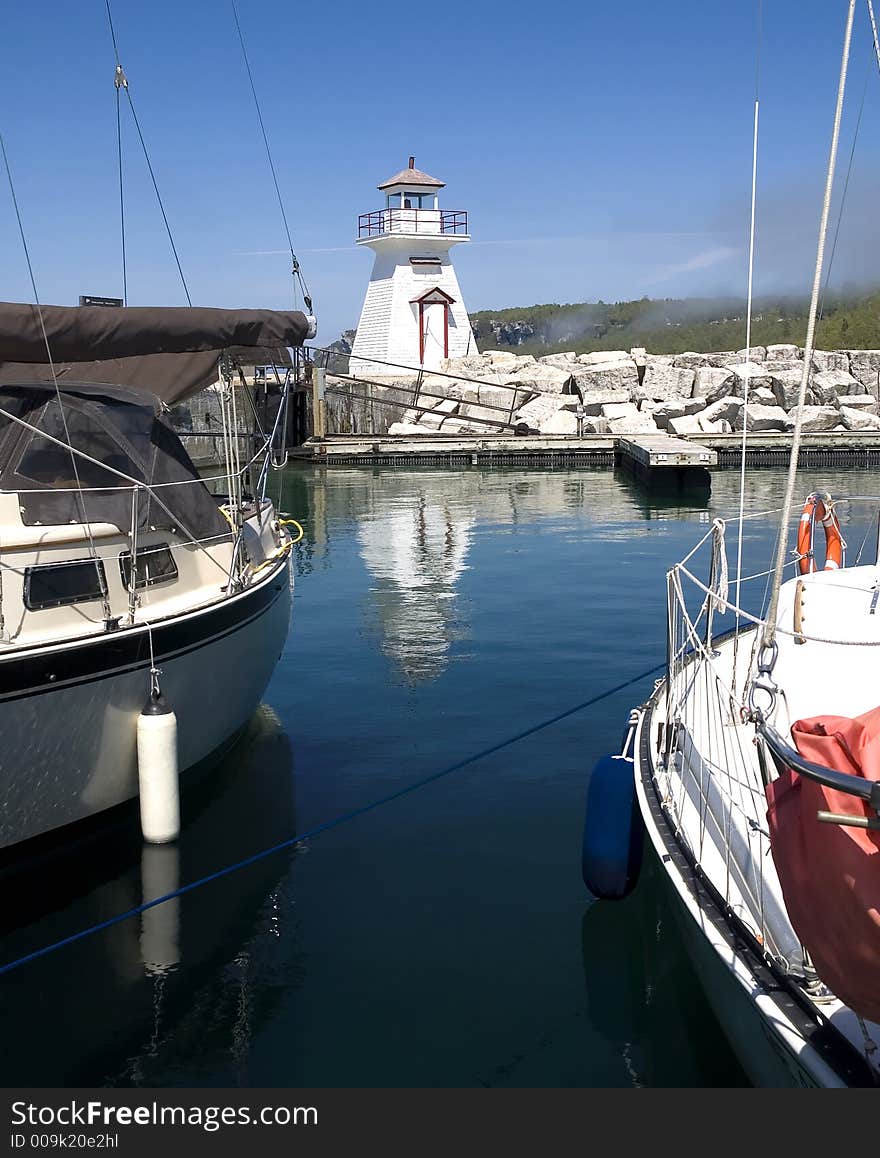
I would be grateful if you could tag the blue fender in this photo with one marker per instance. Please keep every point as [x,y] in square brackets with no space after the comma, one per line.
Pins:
[613,830]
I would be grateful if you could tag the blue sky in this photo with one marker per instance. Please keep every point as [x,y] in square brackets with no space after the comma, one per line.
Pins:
[603,150]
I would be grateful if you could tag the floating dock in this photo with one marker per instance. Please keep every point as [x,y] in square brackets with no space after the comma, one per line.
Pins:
[833,448]
[659,458]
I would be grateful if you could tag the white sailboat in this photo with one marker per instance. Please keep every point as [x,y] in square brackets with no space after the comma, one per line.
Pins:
[756,781]
[121,575]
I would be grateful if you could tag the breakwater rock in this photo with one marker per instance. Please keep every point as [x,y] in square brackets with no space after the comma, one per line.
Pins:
[635,392]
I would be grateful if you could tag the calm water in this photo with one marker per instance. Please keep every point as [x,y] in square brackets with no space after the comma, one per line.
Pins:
[444,939]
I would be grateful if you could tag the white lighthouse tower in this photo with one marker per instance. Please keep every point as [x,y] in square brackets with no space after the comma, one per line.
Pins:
[413,313]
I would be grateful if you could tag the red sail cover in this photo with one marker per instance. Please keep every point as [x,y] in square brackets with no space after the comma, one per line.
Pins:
[830,873]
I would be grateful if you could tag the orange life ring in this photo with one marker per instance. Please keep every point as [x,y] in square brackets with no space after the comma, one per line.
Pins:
[815,508]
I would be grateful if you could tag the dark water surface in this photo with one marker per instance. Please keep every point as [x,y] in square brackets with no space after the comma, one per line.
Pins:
[444,939]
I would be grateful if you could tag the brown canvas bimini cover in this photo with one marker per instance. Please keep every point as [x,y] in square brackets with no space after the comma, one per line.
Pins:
[172,351]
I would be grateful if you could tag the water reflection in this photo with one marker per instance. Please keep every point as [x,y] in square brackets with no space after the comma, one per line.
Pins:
[415,552]
[128,1002]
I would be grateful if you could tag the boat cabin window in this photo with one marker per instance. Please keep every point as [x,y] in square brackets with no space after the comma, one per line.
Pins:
[59,584]
[155,564]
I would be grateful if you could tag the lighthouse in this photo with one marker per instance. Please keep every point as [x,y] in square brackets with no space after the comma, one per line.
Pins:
[413,313]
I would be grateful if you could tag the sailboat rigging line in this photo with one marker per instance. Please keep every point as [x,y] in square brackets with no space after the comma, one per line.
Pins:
[874,32]
[296,270]
[121,81]
[79,490]
[852,153]
[770,626]
[327,825]
[745,411]
[749,304]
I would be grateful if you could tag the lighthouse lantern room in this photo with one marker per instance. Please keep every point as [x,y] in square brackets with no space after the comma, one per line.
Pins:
[413,313]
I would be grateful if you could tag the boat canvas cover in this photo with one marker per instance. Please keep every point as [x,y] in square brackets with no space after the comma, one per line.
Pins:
[830,873]
[171,351]
[119,428]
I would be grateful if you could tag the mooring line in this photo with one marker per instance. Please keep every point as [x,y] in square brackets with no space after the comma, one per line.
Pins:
[326,825]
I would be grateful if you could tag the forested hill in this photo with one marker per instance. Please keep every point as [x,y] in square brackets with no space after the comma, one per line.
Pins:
[672,326]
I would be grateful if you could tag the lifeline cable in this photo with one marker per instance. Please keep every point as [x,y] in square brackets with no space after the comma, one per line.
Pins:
[327,824]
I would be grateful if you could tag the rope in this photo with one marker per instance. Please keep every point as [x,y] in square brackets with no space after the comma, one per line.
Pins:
[770,628]
[327,825]
[122,82]
[296,271]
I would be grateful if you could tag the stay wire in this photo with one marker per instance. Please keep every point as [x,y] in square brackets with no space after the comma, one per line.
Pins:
[122,82]
[353,814]
[849,168]
[297,272]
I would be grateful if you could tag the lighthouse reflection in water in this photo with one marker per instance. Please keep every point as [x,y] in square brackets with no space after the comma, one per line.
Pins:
[416,552]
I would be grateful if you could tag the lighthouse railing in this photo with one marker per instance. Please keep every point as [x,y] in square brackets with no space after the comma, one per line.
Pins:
[381,222]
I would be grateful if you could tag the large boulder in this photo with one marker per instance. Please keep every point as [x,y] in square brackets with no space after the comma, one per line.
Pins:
[597,425]
[664,412]
[722,426]
[620,375]
[565,360]
[684,425]
[596,399]
[562,422]
[539,409]
[712,382]
[492,403]
[690,360]
[867,403]
[763,395]
[816,418]
[853,419]
[762,418]
[620,410]
[865,365]
[786,386]
[721,358]
[751,372]
[828,385]
[783,350]
[470,366]
[546,379]
[663,381]
[726,409]
[639,423]
[600,357]
[829,360]
[501,357]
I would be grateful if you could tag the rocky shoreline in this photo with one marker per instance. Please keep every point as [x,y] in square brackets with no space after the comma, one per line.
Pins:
[635,392]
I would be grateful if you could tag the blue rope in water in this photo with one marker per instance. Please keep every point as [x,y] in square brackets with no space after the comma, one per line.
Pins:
[326,826]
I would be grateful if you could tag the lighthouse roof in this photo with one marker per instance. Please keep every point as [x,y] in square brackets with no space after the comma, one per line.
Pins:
[412,176]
